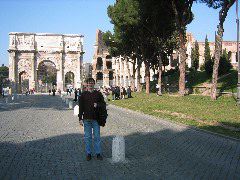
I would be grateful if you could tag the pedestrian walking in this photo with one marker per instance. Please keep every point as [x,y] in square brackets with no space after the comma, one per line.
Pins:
[129,92]
[113,93]
[89,103]
[49,91]
[76,94]
[53,91]
[124,93]
[118,92]
[79,94]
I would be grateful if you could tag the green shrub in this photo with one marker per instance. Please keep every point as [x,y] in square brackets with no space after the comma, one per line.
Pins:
[224,64]
[208,67]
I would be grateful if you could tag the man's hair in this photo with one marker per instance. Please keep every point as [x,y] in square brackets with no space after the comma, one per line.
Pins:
[89,81]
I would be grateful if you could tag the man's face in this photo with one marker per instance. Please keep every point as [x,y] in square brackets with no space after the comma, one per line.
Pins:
[89,86]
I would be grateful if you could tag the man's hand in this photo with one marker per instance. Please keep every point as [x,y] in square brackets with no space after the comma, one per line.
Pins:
[95,105]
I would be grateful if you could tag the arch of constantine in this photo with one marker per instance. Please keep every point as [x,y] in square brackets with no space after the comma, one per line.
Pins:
[29,52]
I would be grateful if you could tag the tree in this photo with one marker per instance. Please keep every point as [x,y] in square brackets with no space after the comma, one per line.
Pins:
[4,71]
[224,6]
[224,64]
[195,56]
[208,60]
[146,26]
[207,52]
[208,66]
[183,16]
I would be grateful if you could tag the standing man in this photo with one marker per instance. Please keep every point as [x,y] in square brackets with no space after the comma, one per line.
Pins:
[53,91]
[88,103]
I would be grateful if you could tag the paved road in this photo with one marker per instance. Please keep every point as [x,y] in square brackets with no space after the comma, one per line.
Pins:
[41,139]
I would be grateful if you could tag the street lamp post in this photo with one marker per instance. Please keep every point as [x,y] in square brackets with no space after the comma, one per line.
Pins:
[238,85]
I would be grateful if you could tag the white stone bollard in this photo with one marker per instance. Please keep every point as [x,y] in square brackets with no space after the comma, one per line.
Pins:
[70,105]
[76,110]
[12,98]
[67,101]
[118,149]
[6,100]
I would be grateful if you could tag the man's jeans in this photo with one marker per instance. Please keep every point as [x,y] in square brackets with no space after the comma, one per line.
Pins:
[88,126]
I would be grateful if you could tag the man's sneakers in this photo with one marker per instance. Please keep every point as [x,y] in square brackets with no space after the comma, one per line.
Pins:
[99,157]
[89,157]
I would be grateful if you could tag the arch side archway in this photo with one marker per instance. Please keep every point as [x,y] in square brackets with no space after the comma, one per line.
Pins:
[46,76]
[69,80]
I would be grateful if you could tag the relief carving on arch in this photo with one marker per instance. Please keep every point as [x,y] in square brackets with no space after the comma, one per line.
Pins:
[24,65]
[12,40]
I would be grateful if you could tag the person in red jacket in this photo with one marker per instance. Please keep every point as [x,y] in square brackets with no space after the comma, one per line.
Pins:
[88,103]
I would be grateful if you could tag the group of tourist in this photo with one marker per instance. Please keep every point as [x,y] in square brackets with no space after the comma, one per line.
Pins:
[121,93]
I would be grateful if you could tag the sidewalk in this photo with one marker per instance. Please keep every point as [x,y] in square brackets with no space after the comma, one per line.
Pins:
[41,139]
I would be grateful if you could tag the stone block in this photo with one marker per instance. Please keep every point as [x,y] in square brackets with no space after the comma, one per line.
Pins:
[118,149]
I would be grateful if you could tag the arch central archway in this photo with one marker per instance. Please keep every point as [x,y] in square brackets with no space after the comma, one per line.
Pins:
[46,76]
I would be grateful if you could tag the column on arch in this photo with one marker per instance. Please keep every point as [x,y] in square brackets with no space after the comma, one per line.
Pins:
[13,71]
[32,80]
[79,72]
[60,72]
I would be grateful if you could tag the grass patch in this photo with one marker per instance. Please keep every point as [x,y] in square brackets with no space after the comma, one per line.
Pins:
[228,83]
[221,116]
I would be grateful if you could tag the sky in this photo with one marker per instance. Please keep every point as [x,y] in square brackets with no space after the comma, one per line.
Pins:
[85,17]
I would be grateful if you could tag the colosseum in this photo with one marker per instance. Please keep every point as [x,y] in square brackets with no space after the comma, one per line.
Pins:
[115,71]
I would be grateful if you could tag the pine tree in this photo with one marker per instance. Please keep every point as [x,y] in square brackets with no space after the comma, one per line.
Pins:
[195,56]
[224,64]
[207,54]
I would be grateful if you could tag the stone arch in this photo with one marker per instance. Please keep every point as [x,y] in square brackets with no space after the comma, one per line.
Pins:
[99,76]
[46,61]
[46,75]
[99,79]
[109,64]
[230,56]
[69,80]
[99,65]
[41,47]
[111,78]
[108,57]
[23,80]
